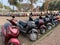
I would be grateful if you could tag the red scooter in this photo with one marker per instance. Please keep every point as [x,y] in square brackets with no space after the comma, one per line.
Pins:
[42,26]
[10,32]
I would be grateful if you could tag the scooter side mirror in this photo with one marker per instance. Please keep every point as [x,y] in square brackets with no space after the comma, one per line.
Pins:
[13,16]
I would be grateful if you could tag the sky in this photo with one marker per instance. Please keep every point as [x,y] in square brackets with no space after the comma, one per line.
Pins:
[38,3]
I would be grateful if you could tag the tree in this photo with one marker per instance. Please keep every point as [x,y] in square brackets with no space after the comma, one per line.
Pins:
[54,5]
[7,7]
[18,5]
[32,1]
[42,8]
[14,3]
[1,6]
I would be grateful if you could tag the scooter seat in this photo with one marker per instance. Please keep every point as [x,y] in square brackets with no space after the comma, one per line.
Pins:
[23,24]
[36,21]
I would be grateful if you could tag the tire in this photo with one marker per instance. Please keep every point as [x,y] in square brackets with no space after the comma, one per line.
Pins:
[49,27]
[33,36]
[42,31]
[13,42]
[10,44]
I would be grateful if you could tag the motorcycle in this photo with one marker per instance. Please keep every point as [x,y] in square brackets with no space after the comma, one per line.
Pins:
[10,33]
[54,21]
[48,23]
[29,29]
[40,25]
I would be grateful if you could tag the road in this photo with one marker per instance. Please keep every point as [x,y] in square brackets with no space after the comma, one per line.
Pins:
[52,39]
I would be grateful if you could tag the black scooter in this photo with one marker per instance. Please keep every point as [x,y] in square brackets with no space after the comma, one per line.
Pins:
[54,21]
[40,25]
[29,29]
[48,23]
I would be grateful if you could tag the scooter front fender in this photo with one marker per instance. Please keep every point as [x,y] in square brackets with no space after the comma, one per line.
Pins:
[33,30]
[14,41]
[43,26]
[49,24]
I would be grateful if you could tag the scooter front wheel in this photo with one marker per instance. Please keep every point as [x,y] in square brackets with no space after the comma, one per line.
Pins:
[13,41]
[49,27]
[42,31]
[33,36]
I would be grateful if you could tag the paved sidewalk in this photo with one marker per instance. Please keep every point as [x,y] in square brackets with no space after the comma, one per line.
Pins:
[52,39]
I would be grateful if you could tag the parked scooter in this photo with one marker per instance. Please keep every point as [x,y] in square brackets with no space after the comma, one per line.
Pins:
[10,33]
[54,21]
[40,25]
[48,22]
[29,29]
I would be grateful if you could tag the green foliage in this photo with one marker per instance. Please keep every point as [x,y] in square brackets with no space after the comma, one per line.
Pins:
[1,6]
[12,2]
[7,7]
[42,8]
[17,4]
[53,6]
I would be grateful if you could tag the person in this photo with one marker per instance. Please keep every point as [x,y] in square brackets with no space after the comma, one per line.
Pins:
[30,17]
